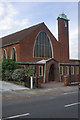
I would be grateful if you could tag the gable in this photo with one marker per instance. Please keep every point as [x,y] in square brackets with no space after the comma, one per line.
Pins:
[18,36]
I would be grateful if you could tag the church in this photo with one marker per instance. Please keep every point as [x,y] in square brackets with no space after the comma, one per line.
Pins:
[36,46]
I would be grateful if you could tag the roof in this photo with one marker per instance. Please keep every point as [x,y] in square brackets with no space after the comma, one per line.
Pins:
[63,16]
[44,61]
[70,64]
[18,36]
[30,63]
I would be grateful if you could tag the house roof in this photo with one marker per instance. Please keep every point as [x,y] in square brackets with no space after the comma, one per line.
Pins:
[18,36]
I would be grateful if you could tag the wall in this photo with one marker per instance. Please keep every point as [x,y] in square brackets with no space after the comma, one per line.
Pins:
[9,49]
[74,77]
[27,46]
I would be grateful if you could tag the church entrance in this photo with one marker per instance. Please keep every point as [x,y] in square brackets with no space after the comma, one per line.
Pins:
[51,73]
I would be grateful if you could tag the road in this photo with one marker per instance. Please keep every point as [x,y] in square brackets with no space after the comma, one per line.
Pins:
[47,106]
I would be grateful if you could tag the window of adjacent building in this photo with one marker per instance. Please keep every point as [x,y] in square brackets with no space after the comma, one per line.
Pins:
[4,55]
[40,70]
[77,70]
[13,54]
[67,70]
[61,70]
[72,70]
[42,47]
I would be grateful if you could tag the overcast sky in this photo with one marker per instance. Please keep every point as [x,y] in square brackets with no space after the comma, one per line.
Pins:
[15,16]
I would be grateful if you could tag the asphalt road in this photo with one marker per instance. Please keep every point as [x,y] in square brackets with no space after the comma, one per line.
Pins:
[47,106]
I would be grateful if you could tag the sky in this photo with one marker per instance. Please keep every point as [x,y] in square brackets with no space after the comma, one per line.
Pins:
[15,16]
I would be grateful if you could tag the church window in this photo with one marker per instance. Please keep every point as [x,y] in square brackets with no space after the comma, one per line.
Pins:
[65,24]
[72,70]
[67,70]
[40,70]
[4,55]
[77,70]
[61,70]
[13,54]
[42,47]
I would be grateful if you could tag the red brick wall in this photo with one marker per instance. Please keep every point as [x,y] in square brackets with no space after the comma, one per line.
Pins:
[9,50]
[27,46]
[25,50]
[74,77]
[63,37]
[1,55]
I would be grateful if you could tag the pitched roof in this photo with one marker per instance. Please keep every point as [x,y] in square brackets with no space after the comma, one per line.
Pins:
[18,36]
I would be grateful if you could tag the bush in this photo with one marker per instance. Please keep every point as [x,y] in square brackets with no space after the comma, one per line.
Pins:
[30,71]
[8,64]
[18,75]
[8,75]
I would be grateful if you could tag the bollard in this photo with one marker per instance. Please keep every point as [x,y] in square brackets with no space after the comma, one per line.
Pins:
[65,81]
[31,82]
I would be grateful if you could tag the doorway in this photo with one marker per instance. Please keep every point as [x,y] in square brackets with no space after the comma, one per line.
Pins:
[51,73]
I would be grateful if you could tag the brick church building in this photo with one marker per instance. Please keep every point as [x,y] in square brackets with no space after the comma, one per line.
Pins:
[36,46]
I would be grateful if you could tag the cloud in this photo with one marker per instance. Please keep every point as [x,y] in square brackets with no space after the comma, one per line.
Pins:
[8,19]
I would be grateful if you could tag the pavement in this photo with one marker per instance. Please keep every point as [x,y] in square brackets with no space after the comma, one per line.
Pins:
[10,91]
[6,86]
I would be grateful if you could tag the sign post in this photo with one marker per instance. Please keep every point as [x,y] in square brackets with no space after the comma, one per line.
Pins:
[31,82]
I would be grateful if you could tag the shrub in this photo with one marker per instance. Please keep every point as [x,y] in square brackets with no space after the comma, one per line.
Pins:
[30,71]
[8,75]
[18,75]
[9,64]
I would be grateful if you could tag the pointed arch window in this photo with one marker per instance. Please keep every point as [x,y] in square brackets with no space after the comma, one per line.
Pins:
[4,55]
[13,54]
[42,47]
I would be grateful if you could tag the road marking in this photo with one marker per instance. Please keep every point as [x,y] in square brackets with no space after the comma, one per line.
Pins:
[69,93]
[72,104]
[16,116]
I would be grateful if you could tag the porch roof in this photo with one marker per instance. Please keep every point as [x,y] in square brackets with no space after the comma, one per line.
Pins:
[30,63]
[69,64]
[44,61]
